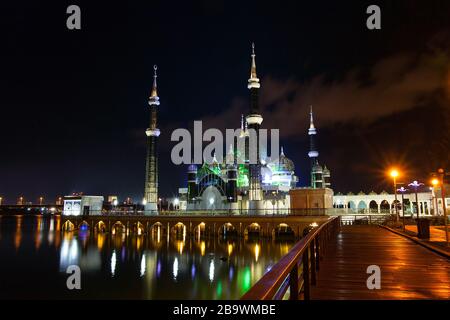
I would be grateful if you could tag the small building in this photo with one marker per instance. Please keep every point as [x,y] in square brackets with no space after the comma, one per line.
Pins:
[437,196]
[113,199]
[384,202]
[82,205]
[311,198]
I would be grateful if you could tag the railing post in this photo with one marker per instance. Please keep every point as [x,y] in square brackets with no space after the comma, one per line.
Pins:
[313,263]
[306,289]
[317,247]
[293,283]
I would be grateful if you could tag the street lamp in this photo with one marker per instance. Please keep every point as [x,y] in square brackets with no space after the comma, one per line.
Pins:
[177,201]
[394,174]
[1,200]
[442,174]
[435,182]
[415,185]
[402,191]
[115,202]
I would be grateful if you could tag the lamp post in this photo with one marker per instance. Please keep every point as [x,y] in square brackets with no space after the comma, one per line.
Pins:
[394,175]
[415,185]
[444,209]
[402,191]
[435,182]
[115,203]
[144,203]
[1,201]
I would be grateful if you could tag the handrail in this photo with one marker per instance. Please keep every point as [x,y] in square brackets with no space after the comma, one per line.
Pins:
[308,251]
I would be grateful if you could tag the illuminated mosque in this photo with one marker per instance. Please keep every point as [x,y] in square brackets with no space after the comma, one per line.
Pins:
[262,187]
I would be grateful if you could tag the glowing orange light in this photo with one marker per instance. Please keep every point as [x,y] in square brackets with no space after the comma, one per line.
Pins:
[435,182]
[394,173]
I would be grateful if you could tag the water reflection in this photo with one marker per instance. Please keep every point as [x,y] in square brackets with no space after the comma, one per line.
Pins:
[69,252]
[153,265]
[113,263]
[143,265]
[18,234]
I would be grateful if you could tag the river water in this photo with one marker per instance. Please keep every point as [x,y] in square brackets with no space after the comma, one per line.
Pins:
[35,255]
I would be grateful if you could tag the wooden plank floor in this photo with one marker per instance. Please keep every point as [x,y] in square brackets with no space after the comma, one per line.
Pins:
[408,271]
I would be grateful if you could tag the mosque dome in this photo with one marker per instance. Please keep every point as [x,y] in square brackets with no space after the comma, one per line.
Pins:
[284,163]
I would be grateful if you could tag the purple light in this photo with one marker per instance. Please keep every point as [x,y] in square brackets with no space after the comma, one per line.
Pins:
[415,184]
[231,273]
[158,269]
[402,190]
[193,271]
[123,254]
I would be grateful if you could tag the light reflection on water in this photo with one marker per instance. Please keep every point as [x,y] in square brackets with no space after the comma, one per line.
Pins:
[37,255]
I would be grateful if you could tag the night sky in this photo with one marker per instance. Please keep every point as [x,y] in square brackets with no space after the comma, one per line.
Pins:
[74,103]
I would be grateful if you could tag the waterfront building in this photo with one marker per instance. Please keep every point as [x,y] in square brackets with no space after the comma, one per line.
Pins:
[384,202]
[437,199]
[76,205]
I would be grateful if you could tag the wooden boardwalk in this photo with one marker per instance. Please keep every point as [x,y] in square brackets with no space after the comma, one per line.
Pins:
[408,271]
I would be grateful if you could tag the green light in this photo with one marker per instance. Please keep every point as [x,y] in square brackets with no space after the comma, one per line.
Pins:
[219,289]
[216,170]
[245,280]
[242,176]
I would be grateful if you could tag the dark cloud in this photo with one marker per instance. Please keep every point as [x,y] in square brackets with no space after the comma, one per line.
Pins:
[394,84]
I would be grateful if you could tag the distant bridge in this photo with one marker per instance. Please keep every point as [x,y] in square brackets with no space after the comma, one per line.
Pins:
[204,225]
[21,208]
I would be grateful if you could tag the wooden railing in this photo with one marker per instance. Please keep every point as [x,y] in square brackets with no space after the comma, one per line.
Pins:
[297,270]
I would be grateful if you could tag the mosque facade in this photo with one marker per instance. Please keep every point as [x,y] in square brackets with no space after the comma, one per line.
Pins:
[262,187]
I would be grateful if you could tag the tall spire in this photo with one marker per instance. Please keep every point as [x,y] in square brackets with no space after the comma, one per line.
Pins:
[253,69]
[242,122]
[312,129]
[253,82]
[154,99]
[151,167]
